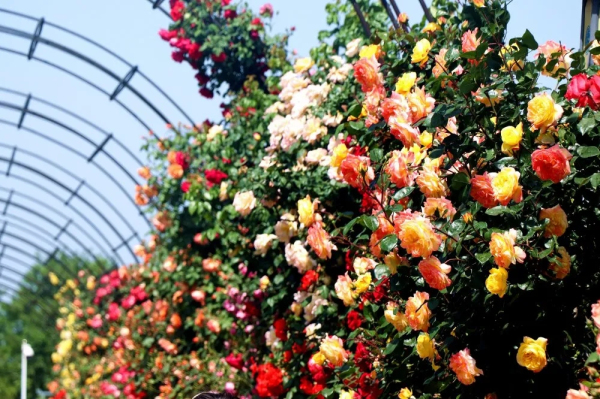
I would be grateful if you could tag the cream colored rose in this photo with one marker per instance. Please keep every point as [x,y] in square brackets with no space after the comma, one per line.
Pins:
[214,131]
[332,348]
[343,289]
[286,228]
[262,243]
[223,196]
[363,265]
[353,47]
[244,202]
[315,157]
[296,255]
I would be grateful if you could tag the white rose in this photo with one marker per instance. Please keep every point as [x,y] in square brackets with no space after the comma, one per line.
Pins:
[352,48]
[244,202]
[296,255]
[262,243]
[214,131]
[315,157]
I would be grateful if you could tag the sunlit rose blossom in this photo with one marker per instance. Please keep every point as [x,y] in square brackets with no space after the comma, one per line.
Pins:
[303,64]
[343,289]
[421,104]
[372,50]
[214,131]
[144,172]
[557,224]
[400,168]
[296,255]
[552,50]
[463,365]
[405,83]
[339,154]
[506,186]
[262,243]
[405,393]
[385,228]
[175,171]
[426,346]
[442,206]
[562,266]
[332,348]
[211,265]
[503,249]
[496,281]
[482,190]
[333,120]
[366,72]
[470,41]
[393,314]
[310,311]
[420,54]
[170,264]
[551,163]
[286,228]
[214,326]
[487,96]
[357,171]
[430,182]
[532,354]
[440,63]
[417,312]
[362,265]
[579,394]
[435,273]
[306,214]
[478,3]
[417,236]
[352,48]
[543,112]
[511,138]
[320,242]
[316,157]
[244,202]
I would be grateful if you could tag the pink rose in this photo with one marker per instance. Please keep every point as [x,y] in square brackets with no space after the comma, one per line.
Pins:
[464,367]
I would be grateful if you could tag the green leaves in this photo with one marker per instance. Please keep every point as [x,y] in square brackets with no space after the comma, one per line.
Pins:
[529,41]
[389,243]
[588,152]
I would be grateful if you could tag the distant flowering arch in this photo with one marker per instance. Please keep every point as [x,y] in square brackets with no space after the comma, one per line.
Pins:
[95,226]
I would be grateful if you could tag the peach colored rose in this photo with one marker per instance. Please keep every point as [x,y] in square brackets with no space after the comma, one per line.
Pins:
[286,228]
[211,265]
[429,181]
[562,266]
[442,206]
[401,172]
[343,289]
[395,317]
[558,221]
[573,394]
[421,104]
[296,255]
[244,202]
[332,348]
[362,265]
[552,50]
[366,72]
[320,242]
[161,221]
[385,228]
[175,171]
[214,326]
[470,42]
[464,367]
[551,163]
[170,264]
[417,236]
[503,249]
[417,312]
[357,171]
[435,273]
[144,172]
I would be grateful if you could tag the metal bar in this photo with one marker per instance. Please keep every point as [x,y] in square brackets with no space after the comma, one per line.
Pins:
[12,160]
[8,202]
[24,111]
[2,252]
[26,253]
[100,147]
[397,10]
[362,19]
[51,257]
[115,249]
[3,229]
[427,11]
[74,192]
[62,230]
[390,14]
[124,82]
[35,38]
[156,3]
[33,300]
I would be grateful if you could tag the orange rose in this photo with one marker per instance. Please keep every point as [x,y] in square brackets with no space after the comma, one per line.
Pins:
[385,228]
[429,181]
[558,221]
[551,163]
[470,42]
[366,72]
[417,312]
[482,190]
[399,170]
[442,206]
[435,273]
[417,236]
[211,265]
[357,171]
[144,172]
[420,103]
[175,171]
[562,266]
[464,367]
[319,241]
[502,247]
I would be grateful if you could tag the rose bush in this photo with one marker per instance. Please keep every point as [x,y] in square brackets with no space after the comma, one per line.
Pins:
[409,215]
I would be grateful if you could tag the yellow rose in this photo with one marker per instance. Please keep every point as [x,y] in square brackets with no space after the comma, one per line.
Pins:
[71,284]
[392,261]
[90,283]
[426,139]
[303,64]
[511,138]
[264,282]
[542,112]
[405,393]
[496,281]
[395,317]
[318,358]
[425,346]
[373,50]
[405,83]
[56,358]
[420,53]
[340,152]
[506,53]
[431,27]
[306,211]
[362,283]
[347,394]
[506,186]
[532,354]
[53,278]
[332,348]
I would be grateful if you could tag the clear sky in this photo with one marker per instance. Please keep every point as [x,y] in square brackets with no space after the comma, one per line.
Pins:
[129,28]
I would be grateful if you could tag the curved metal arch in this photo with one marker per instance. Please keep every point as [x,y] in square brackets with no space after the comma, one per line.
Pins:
[74,193]
[26,253]
[123,83]
[99,148]
[157,5]
[32,298]
[43,234]
[62,227]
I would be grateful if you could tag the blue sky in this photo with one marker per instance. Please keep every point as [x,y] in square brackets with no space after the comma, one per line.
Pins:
[129,28]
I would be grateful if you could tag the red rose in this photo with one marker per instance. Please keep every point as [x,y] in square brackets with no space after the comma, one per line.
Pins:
[235,361]
[128,302]
[114,312]
[177,56]
[185,186]
[230,14]
[310,388]
[214,176]
[287,356]
[482,190]
[551,163]
[280,327]
[201,78]
[182,159]
[269,381]
[256,21]
[299,349]
[354,320]
[362,358]
[369,387]
[194,51]
[309,278]
[219,58]
[585,90]
[177,10]
[206,93]
[167,35]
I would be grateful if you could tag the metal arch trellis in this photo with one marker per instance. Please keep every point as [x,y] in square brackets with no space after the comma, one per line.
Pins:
[36,38]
